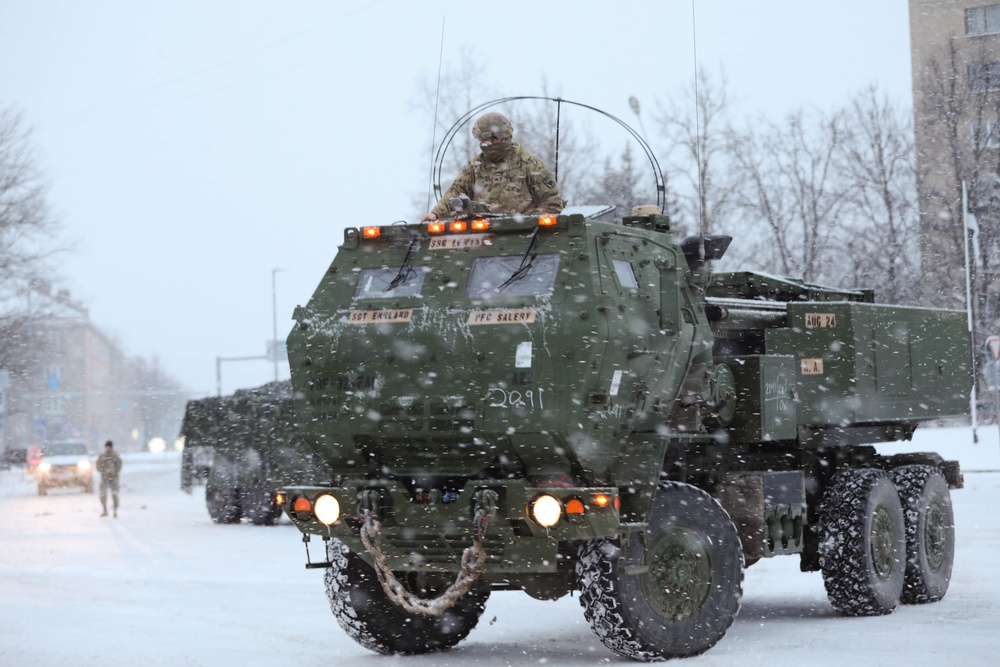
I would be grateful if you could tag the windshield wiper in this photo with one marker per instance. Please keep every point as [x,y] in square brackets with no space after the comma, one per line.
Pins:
[525,264]
[404,269]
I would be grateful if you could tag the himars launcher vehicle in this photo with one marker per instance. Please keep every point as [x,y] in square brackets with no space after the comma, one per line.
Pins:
[555,404]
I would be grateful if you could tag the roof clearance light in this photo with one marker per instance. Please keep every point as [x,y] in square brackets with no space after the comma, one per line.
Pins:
[302,504]
[371,232]
[547,221]
[480,225]
[458,226]
[574,506]
[279,498]
[435,227]
[601,499]
[327,509]
[546,510]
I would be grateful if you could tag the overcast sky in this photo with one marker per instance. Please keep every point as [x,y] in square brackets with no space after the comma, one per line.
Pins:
[193,146]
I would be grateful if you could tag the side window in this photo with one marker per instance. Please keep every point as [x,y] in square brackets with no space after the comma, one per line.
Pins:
[625,274]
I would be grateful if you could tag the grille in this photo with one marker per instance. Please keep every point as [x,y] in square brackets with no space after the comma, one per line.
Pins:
[444,417]
[396,418]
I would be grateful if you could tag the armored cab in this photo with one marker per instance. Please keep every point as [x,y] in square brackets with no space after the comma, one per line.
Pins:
[555,403]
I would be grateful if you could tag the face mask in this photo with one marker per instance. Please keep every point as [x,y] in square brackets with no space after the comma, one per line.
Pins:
[496,151]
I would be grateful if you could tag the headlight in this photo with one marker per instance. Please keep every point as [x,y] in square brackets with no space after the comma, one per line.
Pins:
[83,466]
[546,510]
[44,466]
[327,509]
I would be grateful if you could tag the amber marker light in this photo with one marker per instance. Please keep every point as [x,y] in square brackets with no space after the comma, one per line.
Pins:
[480,225]
[280,498]
[458,226]
[574,506]
[547,221]
[601,500]
[546,511]
[435,227]
[371,232]
[302,504]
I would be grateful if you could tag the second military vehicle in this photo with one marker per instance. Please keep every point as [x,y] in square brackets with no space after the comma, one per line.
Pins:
[244,447]
[554,403]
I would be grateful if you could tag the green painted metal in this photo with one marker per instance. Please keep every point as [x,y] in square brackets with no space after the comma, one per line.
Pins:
[587,357]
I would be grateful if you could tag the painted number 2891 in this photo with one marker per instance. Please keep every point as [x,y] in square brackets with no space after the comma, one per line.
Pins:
[530,399]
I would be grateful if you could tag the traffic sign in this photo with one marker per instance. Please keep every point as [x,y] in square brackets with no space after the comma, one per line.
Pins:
[993,345]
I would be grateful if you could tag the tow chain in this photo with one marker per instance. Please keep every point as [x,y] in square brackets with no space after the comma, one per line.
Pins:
[473,559]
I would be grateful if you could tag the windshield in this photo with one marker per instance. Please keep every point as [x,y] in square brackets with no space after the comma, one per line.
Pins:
[491,276]
[374,283]
[65,449]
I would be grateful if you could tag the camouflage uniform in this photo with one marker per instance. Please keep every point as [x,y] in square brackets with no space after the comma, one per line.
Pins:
[507,177]
[109,464]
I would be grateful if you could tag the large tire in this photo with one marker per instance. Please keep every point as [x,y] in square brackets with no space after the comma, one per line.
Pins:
[222,498]
[259,506]
[862,549]
[258,503]
[930,532]
[690,595]
[367,615]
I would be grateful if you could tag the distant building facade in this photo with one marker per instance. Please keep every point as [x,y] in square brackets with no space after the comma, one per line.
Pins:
[76,383]
[955,52]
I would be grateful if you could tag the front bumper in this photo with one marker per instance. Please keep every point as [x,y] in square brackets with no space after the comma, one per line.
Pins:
[431,536]
[59,476]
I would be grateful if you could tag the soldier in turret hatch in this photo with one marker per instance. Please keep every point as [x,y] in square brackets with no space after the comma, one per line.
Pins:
[505,176]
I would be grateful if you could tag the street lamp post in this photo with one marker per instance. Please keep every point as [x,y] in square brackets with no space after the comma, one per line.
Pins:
[274,311]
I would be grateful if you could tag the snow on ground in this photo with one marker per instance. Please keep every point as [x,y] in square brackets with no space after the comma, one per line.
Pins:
[163,585]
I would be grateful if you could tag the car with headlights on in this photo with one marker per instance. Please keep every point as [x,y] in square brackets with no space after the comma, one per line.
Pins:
[65,464]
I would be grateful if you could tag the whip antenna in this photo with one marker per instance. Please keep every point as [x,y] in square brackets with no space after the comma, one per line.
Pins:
[697,141]
[437,98]
[558,113]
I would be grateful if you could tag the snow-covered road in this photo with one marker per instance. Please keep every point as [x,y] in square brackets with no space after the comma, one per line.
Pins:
[163,585]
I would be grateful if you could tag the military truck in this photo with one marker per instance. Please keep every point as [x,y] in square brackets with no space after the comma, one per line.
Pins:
[244,447]
[558,403]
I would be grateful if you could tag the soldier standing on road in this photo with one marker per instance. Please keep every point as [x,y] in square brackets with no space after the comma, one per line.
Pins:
[505,176]
[109,464]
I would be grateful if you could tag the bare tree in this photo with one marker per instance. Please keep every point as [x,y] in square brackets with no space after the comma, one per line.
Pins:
[876,162]
[961,122]
[27,236]
[696,127]
[790,193]
[621,183]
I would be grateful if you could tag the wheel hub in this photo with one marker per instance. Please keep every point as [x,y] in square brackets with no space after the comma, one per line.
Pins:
[935,536]
[882,543]
[679,579]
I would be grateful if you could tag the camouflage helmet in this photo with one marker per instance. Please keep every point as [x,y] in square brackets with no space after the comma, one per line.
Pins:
[492,126]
